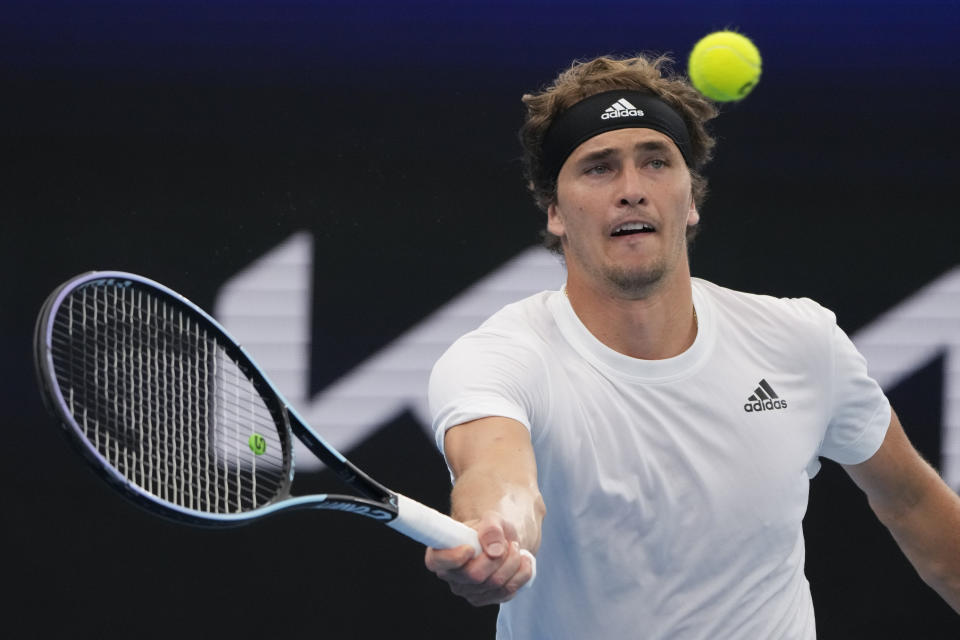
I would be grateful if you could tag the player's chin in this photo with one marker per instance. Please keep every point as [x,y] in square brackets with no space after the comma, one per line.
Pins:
[635,279]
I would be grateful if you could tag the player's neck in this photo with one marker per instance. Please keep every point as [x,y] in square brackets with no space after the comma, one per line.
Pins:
[658,326]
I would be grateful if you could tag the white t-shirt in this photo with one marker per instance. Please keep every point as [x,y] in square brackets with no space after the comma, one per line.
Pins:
[675,489]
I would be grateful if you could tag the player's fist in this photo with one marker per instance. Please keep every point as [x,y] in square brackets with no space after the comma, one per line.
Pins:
[491,577]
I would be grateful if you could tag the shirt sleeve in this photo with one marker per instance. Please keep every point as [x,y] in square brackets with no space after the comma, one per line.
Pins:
[859,412]
[484,375]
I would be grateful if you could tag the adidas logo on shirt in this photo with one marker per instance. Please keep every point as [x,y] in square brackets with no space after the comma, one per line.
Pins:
[764,398]
[621,109]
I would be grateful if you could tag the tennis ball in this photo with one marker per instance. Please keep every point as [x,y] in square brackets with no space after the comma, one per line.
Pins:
[724,66]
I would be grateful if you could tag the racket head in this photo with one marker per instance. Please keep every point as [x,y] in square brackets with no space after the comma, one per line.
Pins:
[162,401]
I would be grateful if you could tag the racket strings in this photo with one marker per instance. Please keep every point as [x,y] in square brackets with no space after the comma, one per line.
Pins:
[163,403]
[155,403]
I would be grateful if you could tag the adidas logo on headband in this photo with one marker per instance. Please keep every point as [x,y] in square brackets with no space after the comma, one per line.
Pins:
[621,109]
[579,122]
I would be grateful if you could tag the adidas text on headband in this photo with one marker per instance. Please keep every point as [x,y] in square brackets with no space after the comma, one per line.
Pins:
[607,111]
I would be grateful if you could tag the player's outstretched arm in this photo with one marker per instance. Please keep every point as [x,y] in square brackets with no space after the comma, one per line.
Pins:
[918,508]
[495,491]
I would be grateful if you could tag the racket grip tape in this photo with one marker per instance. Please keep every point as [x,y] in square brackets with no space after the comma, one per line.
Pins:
[430,527]
[433,529]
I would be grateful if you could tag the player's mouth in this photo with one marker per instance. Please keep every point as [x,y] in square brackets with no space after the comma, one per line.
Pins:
[632,228]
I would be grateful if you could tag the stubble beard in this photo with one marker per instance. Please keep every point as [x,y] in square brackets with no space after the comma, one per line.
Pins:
[636,282]
[629,282]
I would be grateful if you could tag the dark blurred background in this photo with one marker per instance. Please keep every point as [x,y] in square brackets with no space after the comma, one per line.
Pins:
[186,140]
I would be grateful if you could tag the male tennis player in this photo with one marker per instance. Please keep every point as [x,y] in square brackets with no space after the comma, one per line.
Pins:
[666,426]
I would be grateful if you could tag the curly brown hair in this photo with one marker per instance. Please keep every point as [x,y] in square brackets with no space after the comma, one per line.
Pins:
[586,78]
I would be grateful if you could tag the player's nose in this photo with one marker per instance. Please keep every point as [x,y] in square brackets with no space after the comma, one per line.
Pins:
[632,188]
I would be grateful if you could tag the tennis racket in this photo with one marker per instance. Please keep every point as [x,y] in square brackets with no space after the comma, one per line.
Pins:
[173,413]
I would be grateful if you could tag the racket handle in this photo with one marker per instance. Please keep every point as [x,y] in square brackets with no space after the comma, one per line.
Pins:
[430,527]
[433,529]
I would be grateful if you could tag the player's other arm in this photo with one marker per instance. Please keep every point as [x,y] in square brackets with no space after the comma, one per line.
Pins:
[918,508]
[495,491]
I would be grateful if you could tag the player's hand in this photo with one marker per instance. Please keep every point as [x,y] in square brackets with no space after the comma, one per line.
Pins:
[493,576]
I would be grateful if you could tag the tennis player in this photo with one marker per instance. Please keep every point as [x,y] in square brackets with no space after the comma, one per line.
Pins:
[650,436]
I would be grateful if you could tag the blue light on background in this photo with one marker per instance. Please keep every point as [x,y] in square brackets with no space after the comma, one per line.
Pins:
[289,41]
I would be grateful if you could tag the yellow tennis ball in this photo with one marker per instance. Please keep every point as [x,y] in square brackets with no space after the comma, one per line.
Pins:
[724,66]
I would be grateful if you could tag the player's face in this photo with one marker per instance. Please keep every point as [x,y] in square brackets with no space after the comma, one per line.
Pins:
[624,201]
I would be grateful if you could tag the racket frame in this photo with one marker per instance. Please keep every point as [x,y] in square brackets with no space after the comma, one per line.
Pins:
[377,501]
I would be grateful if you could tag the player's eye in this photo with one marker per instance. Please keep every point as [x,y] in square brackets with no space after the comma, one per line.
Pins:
[658,163]
[597,169]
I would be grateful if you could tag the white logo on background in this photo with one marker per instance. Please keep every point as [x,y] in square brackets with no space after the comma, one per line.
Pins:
[267,307]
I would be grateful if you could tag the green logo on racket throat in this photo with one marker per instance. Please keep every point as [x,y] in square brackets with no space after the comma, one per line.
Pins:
[258,444]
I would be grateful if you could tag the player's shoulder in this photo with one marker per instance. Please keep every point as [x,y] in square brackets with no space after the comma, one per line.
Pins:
[759,310]
[522,318]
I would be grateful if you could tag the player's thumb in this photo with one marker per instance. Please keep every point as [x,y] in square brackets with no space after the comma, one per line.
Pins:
[491,535]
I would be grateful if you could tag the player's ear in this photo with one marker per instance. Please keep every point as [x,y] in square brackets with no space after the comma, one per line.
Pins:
[693,216]
[555,221]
